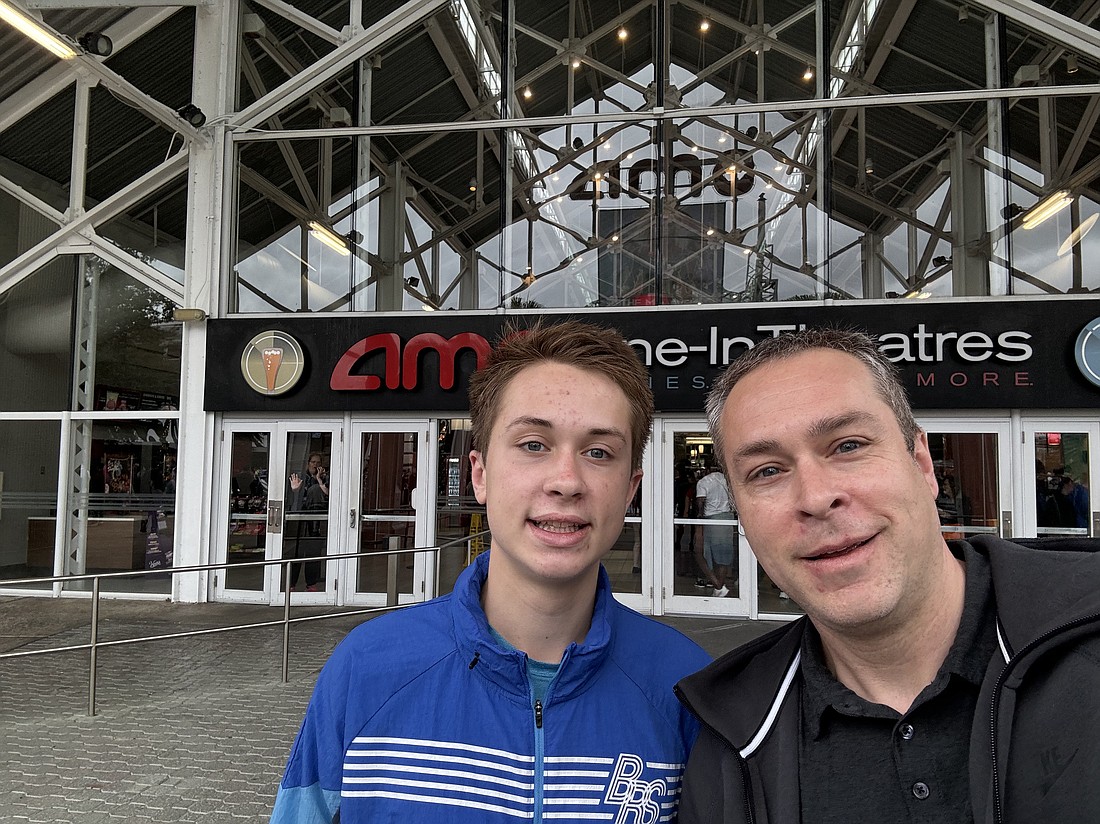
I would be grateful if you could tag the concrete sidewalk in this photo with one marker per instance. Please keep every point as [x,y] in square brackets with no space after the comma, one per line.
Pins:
[187,729]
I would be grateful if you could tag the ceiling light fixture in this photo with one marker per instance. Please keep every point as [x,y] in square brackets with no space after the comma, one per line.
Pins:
[622,33]
[576,63]
[527,92]
[964,14]
[705,25]
[808,75]
[192,114]
[1071,64]
[97,43]
[19,20]
[329,238]
[473,184]
[1046,209]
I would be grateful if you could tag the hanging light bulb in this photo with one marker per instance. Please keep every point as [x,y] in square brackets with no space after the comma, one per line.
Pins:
[622,32]
[527,92]
[808,75]
[705,25]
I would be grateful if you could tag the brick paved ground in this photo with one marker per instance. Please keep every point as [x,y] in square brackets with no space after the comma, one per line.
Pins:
[187,730]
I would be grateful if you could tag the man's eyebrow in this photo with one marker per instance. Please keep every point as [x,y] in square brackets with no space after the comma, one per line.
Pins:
[818,429]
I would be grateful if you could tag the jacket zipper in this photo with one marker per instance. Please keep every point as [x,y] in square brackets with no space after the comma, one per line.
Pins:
[746,779]
[539,756]
[998,812]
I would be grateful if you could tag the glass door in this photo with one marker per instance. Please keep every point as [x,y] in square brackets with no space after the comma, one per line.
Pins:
[972,461]
[388,514]
[276,488]
[707,567]
[1060,452]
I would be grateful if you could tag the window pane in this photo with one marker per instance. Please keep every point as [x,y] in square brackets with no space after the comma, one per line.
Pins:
[28,497]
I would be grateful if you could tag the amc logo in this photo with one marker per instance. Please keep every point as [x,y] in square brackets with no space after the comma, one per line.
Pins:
[403,364]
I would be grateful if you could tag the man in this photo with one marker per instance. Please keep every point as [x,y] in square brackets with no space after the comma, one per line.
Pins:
[308,493]
[929,682]
[715,544]
[528,692]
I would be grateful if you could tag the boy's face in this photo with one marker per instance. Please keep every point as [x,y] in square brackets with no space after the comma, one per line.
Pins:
[556,475]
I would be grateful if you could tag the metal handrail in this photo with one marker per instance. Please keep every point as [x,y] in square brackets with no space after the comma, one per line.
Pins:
[94,644]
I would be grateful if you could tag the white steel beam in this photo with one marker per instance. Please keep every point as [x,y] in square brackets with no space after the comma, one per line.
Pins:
[57,78]
[113,4]
[32,259]
[25,197]
[1057,27]
[303,20]
[336,61]
[136,268]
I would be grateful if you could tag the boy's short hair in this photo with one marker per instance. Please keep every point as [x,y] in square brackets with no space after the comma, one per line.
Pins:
[592,348]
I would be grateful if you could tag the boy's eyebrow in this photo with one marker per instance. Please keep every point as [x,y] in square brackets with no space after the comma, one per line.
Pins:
[542,423]
[818,429]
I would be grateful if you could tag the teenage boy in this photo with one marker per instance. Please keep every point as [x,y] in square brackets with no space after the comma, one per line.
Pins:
[528,693]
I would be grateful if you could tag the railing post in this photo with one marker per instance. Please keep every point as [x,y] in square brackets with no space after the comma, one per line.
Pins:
[392,561]
[94,640]
[286,621]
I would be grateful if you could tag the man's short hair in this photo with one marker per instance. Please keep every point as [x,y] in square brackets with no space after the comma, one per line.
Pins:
[594,349]
[859,345]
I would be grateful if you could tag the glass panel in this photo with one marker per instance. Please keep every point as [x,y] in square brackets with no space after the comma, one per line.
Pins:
[21,228]
[623,561]
[458,514]
[770,598]
[387,520]
[706,539]
[305,508]
[966,471]
[137,347]
[154,230]
[1062,483]
[250,454]
[28,497]
[126,520]
[36,317]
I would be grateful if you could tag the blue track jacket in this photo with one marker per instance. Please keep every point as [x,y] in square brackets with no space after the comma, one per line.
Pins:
[420,716]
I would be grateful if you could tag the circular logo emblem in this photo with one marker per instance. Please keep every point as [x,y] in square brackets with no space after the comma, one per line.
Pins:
[1087,352]
[273,362]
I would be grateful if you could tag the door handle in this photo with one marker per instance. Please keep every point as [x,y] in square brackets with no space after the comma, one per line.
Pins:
[351,520]
[274,517]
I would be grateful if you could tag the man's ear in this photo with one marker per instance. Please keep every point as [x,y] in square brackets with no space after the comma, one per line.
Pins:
[477,475]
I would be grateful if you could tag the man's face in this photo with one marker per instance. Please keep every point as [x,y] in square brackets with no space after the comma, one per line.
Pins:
[556,475]
[838,511]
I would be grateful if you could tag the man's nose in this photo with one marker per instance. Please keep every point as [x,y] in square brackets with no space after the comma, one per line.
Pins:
[820,491]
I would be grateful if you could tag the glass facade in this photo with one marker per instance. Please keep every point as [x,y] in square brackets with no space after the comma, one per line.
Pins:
[480,155]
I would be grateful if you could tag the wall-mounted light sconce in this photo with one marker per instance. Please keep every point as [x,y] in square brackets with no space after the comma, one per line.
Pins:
[338,243]
[30,27]
[97,43]
[192,114]
[184,315]
[1046,209]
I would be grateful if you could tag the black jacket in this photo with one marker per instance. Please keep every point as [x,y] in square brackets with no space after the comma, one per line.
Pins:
[1035,740]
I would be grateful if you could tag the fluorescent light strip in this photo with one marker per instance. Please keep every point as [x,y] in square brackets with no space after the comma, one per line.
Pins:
[329,238]
[1046,209]
[19,20]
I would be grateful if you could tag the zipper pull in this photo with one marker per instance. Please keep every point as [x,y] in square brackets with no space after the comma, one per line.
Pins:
[538,714]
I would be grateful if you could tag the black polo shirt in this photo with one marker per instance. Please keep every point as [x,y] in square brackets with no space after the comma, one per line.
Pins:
[864,762]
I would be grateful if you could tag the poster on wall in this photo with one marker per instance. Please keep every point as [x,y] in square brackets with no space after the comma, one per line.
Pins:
[118,472]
